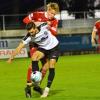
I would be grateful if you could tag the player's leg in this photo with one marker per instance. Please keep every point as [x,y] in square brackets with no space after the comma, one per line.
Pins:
[29,74]
[50,78]
[35,58]
[28,91]
[30,84]
[54,54]
[29,71]
[38,89]
[35,86]
[43,71]
[45,66]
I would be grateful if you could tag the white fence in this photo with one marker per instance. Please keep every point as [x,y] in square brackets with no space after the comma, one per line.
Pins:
[12,21]
[12,25]
[15,21]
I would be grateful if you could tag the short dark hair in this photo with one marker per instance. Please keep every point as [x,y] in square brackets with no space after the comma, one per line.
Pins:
[30,25]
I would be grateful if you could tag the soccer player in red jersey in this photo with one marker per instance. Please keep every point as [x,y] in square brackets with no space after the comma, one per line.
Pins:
[96,31]
[48,16]
[39,17]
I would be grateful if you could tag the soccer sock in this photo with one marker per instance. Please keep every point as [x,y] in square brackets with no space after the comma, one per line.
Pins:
[35,66]
[51,76]
[29,74]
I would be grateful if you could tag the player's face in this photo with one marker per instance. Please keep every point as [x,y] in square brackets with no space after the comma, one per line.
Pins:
[32,31]
[51,13]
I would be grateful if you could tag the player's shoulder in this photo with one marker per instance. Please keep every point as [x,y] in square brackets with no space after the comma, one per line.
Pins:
[39,12]
[55,20]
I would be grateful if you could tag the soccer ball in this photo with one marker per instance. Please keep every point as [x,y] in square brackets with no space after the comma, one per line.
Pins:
[36,76]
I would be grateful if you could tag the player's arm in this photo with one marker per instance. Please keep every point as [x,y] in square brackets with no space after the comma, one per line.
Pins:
[16,51]
[31,18]
[28,18]
[53,27]
[93,37]
[25,41]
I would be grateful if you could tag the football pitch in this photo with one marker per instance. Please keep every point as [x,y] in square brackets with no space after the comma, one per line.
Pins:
[77,78]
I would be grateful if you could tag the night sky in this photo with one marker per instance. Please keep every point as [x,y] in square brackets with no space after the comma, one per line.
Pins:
[19,6]
[25,6]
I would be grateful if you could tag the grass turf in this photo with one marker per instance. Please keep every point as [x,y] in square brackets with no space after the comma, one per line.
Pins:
[77,78]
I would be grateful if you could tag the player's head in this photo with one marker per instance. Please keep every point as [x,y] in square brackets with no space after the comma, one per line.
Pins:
[52,10]
[31,28]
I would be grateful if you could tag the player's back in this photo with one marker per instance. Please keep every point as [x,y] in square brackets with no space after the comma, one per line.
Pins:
[36,17]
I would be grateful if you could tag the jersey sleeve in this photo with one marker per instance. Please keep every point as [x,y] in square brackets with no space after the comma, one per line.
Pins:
[28,18]
[26,39]
[32,17]
[53,27]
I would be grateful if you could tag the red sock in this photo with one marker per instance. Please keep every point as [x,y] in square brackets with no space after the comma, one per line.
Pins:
[29,74]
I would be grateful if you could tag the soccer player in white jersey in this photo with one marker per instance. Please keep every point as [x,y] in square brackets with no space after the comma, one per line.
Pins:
[39,17]
[47,46]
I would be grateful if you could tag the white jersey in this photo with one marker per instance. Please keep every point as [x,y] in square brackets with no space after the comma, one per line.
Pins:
[44,39]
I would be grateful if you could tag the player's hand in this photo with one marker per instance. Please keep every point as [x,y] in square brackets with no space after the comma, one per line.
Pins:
[9,60]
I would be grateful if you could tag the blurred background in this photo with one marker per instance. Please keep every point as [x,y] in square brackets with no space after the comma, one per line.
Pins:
[76,21]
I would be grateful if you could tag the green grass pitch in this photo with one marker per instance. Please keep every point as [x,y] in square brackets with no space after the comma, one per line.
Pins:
[77,78]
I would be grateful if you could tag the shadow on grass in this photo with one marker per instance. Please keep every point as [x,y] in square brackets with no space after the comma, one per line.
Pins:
[54,92]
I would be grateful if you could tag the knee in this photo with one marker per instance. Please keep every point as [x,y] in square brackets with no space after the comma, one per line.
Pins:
[34,58]
[52,63]
[44,68]
[30,67]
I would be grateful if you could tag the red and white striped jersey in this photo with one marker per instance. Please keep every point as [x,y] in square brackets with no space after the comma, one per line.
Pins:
[42,17]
